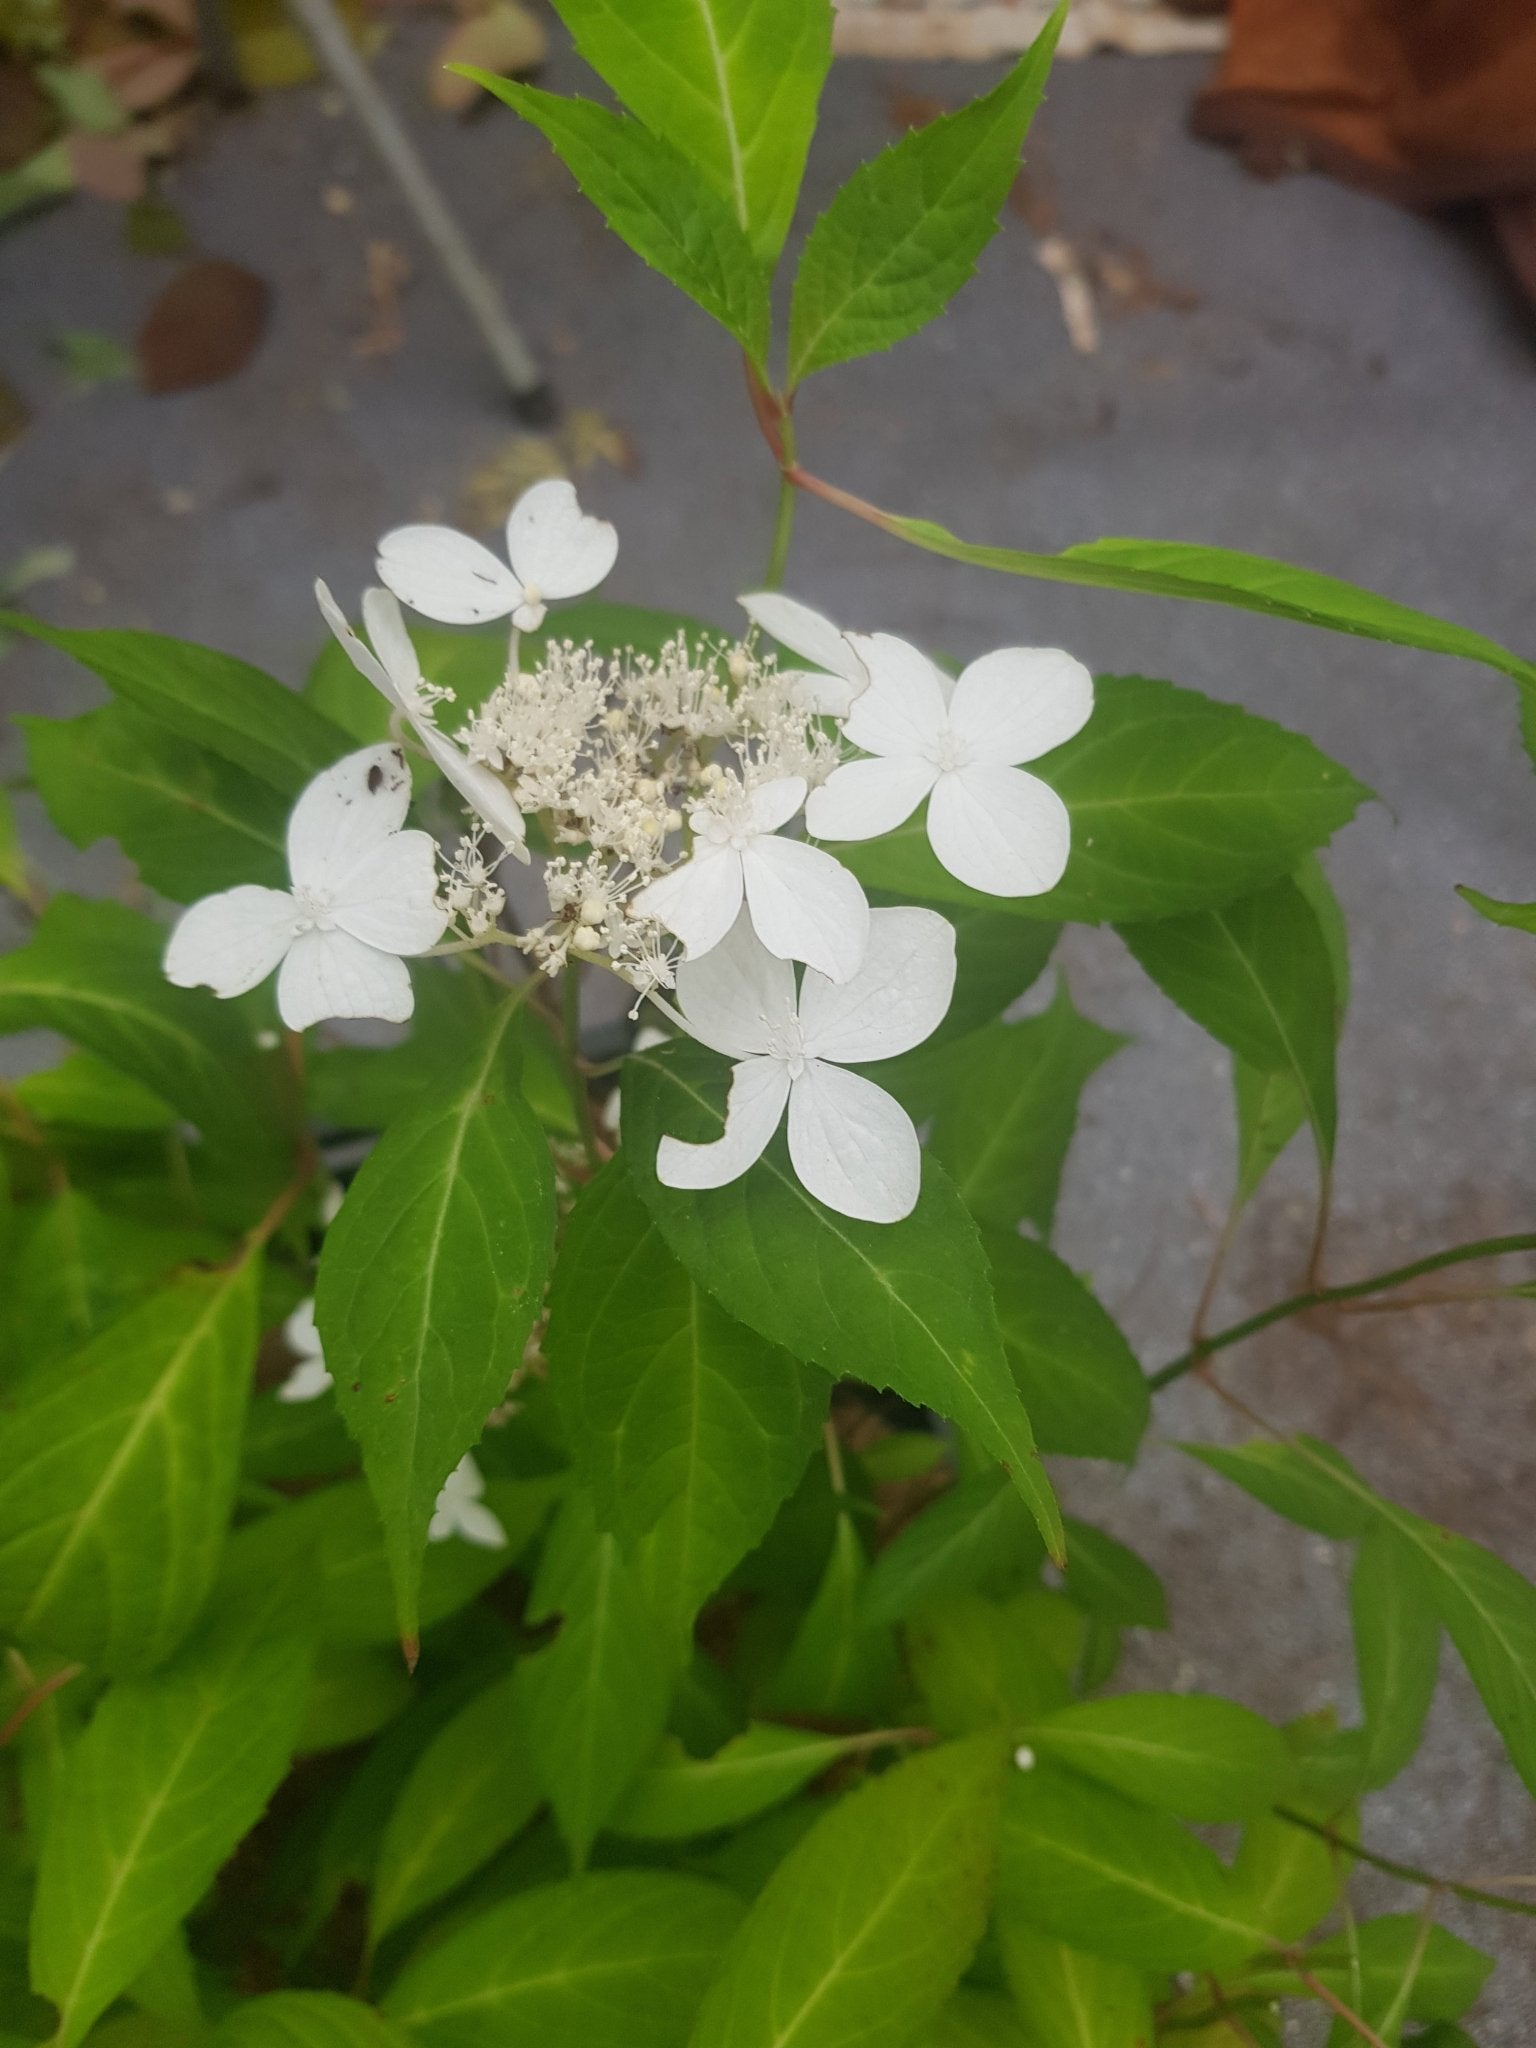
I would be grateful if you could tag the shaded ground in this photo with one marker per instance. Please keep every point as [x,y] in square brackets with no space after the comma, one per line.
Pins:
[1347,388]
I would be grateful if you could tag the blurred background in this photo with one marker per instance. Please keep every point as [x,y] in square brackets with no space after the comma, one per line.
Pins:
[1264,282]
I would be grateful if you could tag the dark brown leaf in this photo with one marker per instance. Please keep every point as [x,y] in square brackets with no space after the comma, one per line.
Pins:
[203,327]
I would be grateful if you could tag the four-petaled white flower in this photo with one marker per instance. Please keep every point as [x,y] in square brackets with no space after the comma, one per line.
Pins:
[394,669]
[852,1145]
[555,550]
[959,744]
[837,672]
[461,1511]
[803,904]
[309,1378]
[364,894]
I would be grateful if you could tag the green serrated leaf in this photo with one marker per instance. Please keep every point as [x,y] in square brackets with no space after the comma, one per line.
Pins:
[211,699]
[429,1283]
[862,1932]
[1006,1109]
[619,1959]
[1258,974]
[169,1775]
[594,1702]
[1111,1582]
[1104,1874]
[306,2019]
[905,1305]
[1177,802]
[190,822]
[688,1428]
[120,1473]
[1086,1395]
[1205,1759]
[1397,1648]
[1253,583]
[91,971]
[678,1796]
[990,1663]
[1067,1999]
[732,85]
[654,199]
[904,234]
[470,1792]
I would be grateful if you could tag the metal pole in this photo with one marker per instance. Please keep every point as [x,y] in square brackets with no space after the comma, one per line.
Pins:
[470,280]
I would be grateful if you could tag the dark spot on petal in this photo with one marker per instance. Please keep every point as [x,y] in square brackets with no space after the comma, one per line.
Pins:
[375,778]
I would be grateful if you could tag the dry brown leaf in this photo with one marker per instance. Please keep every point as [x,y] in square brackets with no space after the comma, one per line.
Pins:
[28,117]
[143,75]
[204,326]
[388,273]
[584,438]
[590,437]
[506,38]
[107,166]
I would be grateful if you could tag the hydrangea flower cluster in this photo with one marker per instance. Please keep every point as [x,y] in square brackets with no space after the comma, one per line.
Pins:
[666,790]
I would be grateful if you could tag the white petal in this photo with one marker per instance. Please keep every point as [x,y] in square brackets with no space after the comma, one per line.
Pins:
[477,1524]
[738,996]
[331,974]
[697,901]
[346,814]
[896,1000]
[903,711]
[853,1145]
[232,941]
[1000,830]
[759,1090]
[390,899]
[862,799]
[307,1382]
[805,905]
[485,793]
[806,633]
[555,546]
[773,804]
[361,657]
[827,696]
[1020,702]
[392,644]
[446,575]
[300,1333]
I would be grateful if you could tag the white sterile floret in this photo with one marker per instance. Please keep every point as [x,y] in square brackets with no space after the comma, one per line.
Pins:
[309,1378]
[959,744]
[461,1511]
[852,1145]
[554,548]
[837,674]
[364,894]
[395,672]
[803,904]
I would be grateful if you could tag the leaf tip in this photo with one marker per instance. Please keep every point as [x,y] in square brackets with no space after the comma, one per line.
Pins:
[410,1650]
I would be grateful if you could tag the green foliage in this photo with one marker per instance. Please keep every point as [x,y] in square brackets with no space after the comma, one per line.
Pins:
[902,1305]
[190,822]
[648,193]
[593,1703]
[1205,1759]
[171,1772]
[1085,1393]
[1397,1646]
[978,1536]
[868,1923]
[457,1206]
[689,1428]
[1067,1999]
[731,85]
[306,2019]
[903,235]
[120,1473]
[1177,803]
[616,1960]
[678,1796]
[1519,917]
[1109,1581]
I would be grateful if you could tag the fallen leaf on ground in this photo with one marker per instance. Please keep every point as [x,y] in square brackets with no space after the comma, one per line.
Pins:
[107,166]
[584,438]
[388,273]
[203,327]
[506,38]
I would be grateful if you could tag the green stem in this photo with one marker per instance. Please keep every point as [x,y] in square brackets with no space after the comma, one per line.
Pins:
[784,519]
[581,1095]
[1324,1297]
[1408,1872]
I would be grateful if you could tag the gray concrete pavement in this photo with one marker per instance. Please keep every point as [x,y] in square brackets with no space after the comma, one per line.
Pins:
[1352,390]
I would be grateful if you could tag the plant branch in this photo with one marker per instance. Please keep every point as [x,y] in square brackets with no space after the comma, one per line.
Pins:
[1409,1873]
[581,1094]
[1335,2004]
[37,1697]
[1324,1297]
